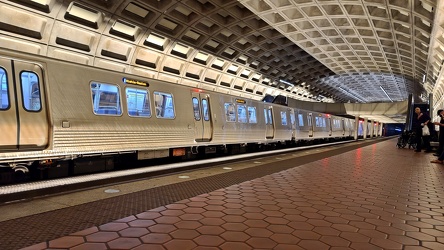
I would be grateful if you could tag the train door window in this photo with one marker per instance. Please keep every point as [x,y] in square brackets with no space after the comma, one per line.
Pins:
[320,122]
[196,109]
[4,96]
[336,123]
[284,118]
[30,91]
[309,121]
[138,102]
[229,112]
[164,104]
[266,116]
[292,119]
[301,120]
[270,116]
[252,118]
[106,99]
[242,114]
[206,111]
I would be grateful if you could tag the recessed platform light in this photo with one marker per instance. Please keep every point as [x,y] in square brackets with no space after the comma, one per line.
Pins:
[112,191]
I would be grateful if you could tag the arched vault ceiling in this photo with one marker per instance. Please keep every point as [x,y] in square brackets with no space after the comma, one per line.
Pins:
[318,50]
[371,45]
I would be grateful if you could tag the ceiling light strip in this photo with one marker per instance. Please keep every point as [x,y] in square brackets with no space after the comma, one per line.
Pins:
[385,93]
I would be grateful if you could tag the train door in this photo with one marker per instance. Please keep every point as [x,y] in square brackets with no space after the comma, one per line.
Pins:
[360,128]
[293,123]
[310,124]
[202,117]
[23,106]
[269,124]
[330,129]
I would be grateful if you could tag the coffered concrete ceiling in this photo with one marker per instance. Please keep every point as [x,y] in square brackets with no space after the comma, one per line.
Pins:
[378,49]
[316,50]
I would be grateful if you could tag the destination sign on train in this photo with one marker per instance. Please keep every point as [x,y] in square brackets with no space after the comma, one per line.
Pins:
[135,82]
[240,101]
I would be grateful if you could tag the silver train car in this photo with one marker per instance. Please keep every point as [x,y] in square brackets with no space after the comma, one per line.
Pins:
[60,114]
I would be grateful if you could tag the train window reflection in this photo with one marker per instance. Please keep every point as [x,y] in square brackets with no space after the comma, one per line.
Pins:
[241,114]
[196,109]
[229,112]
[30,91]
[266,116]
[252,115]
[206,112]
[106,99]
[336,123]
[270,116]
[164,104]
[320,122]
[284,118]
[309,120]
[292,119]
[4,96]
[301,120]
[138,102]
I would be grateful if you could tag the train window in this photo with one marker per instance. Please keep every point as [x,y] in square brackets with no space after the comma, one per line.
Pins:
[206,113]
[229,112]
[301,120]
[268,116]
[4,96]
[242,114]
[309,120]
[252,118]
[138,102]
[164,104]
[336,123]
[284,118]
[320,122]
[106,99]
[196,109]
[30,91]
[292,119]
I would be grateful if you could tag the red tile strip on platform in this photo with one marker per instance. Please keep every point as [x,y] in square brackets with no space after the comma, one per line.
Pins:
[29,230]
[375,197]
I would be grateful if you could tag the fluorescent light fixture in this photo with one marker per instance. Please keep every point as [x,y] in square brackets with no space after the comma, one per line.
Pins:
[423,78]
[385,93]
[353,95]
[282,81]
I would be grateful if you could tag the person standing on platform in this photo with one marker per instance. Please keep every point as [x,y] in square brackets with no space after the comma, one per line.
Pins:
[440,114]
[419,121]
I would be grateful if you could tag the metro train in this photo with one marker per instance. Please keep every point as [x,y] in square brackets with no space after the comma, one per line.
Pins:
[78,118]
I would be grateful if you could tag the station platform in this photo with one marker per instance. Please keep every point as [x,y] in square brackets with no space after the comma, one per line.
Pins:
[369,195]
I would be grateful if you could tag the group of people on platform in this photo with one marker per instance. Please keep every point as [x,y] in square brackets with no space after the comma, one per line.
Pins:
[422,140]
